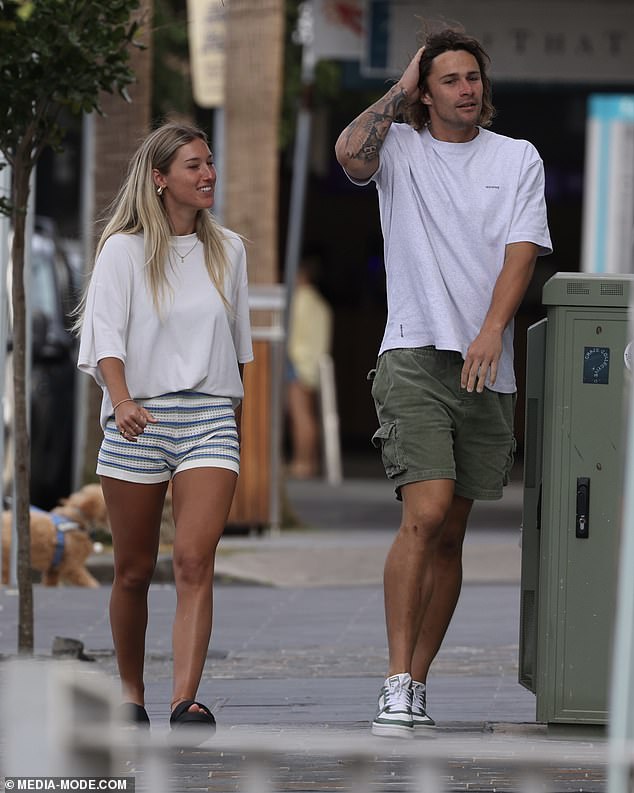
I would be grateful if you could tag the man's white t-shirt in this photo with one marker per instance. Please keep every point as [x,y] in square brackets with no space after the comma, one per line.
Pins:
[447,212]
[194,343]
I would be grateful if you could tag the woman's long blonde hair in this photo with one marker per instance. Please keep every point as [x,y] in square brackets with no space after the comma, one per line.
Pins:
[139,208]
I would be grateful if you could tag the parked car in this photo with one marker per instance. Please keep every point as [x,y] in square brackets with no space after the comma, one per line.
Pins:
[54,292]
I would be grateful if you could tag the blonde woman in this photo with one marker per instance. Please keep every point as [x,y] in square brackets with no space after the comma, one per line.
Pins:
[165,333]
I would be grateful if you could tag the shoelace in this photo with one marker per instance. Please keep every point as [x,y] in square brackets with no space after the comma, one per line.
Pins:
[397,696]
[419,698]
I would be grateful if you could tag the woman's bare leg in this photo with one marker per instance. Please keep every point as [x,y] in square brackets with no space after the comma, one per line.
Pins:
[134,511]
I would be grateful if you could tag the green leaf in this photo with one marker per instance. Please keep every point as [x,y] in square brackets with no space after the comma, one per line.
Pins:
[58,54]
[25,10]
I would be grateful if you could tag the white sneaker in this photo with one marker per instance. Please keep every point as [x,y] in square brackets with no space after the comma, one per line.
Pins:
[394,711]
[420,717]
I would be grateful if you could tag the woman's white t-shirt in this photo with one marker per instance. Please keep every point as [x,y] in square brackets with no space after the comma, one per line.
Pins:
[193,343]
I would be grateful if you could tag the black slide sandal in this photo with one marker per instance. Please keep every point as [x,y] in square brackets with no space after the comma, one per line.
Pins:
[134,715]
[182,717]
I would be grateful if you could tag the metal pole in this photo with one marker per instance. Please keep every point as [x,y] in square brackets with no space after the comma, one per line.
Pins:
[218,147]
[276,345]
[5,191]
[300,156]
[87,197]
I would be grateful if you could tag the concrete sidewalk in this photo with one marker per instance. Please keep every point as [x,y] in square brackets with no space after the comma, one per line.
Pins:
[299,650]
[348,530]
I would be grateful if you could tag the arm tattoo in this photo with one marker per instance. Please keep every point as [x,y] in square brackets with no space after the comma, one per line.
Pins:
[366,134]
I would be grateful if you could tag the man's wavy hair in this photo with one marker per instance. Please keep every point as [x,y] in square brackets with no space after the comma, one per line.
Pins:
[417,115]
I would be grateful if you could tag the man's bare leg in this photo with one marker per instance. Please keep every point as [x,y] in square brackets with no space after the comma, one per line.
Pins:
[446,589]
[408,585]
[409,568]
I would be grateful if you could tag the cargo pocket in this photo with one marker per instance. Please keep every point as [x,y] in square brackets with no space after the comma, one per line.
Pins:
[386,439]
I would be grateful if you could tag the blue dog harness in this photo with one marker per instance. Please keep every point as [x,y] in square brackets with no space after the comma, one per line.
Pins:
[62,525]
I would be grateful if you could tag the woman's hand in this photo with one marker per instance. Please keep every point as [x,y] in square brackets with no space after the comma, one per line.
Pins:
[131,419]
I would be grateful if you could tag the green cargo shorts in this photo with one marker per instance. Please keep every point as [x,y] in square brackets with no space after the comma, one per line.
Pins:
[431,428]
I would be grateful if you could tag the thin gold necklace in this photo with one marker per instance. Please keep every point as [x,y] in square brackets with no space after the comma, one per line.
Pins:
[182,256]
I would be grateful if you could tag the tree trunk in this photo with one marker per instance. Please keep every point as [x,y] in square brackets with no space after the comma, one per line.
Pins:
[22,468]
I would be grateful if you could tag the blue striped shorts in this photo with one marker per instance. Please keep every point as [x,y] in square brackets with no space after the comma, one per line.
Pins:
[193,431]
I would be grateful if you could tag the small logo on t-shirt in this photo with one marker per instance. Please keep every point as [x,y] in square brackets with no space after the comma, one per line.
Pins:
[492,186]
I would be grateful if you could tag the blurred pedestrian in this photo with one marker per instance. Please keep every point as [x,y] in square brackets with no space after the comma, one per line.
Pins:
[310,338]
[463,218]
[165,333]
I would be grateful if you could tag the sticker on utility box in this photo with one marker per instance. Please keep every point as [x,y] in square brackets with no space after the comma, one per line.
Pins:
[596,365]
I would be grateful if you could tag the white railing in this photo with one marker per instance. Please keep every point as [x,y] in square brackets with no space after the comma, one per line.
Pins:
[329,421]
[59,720]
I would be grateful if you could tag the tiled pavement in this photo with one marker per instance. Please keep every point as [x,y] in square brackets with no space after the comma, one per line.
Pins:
[304,656]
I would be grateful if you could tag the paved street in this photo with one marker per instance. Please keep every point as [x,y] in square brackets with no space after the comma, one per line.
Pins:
[298,649]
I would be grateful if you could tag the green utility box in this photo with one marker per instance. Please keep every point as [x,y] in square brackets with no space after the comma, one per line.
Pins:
[576,373]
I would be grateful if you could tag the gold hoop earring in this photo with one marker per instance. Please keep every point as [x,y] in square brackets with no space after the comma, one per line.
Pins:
[159,190]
